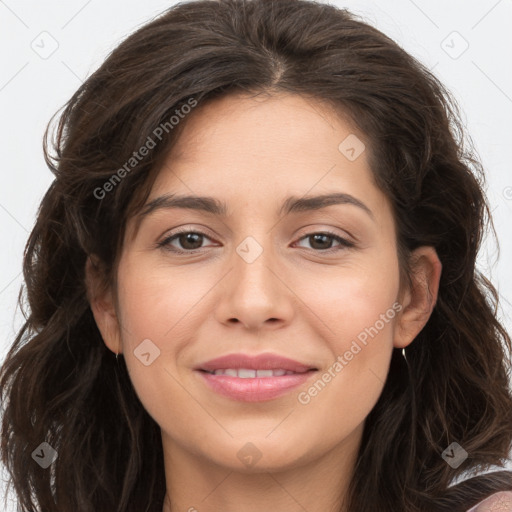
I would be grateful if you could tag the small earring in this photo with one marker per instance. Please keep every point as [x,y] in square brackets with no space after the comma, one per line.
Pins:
[117,357]
[403,353]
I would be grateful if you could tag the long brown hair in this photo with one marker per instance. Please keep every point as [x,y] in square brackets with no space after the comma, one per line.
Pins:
[61,385]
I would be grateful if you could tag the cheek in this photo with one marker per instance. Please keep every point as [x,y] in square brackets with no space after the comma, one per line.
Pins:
[159,317]
[343,394]
[361,313]
[358,313]
[159,303]
[162,309]
[356,303]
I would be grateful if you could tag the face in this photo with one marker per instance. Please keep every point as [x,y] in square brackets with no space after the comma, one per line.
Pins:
[274,273]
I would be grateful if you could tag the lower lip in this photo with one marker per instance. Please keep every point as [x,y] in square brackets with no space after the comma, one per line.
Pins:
[256,389]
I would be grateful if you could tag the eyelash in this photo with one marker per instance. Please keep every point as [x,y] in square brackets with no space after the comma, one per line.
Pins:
[165,244]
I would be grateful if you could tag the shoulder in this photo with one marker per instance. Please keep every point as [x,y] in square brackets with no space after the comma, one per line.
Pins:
[498,502]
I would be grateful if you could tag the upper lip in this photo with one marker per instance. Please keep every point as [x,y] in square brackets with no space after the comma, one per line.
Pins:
[266,361]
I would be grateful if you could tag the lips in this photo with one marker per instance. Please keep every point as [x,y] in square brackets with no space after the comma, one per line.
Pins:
[247,373]
[253,378]
[260,362]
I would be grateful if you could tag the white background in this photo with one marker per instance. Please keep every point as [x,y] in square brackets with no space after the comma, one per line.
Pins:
[33,88]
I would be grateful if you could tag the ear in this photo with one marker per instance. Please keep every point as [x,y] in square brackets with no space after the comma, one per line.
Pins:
[419,298]
[102,304]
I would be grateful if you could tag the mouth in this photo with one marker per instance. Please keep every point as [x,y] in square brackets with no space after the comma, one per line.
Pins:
[245,364]
[248,373]
[254,378]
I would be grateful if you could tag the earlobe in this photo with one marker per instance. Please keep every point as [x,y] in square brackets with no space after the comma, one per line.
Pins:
[102,305]
[420,297]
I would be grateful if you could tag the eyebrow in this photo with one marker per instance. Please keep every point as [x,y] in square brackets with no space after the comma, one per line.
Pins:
[215,207]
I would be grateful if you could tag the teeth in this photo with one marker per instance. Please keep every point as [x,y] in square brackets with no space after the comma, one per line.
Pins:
[264,373]
[244,373]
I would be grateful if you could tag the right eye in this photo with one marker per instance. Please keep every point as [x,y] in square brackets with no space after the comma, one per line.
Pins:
[186,239]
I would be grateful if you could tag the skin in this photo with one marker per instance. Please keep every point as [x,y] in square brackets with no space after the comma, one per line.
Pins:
[296,300]
[499,502]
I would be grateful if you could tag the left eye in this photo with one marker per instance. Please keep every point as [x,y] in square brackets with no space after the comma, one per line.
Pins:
[191,241]
[324,237]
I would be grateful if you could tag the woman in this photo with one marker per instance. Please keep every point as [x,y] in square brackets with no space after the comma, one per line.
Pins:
[324,343]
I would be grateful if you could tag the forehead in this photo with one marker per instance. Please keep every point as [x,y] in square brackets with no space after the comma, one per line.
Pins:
[261,124]
[285,140]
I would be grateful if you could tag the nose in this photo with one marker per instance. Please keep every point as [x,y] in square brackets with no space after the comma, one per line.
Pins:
[254,293]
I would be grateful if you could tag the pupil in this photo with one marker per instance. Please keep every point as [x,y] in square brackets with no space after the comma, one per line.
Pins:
[189,238]
[325,237]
